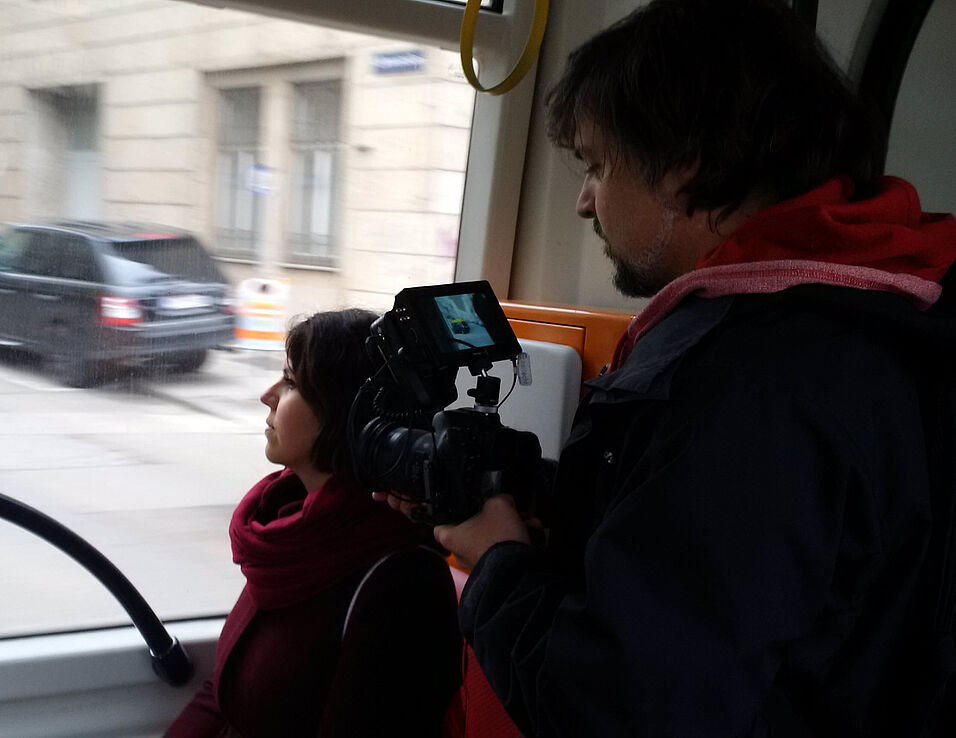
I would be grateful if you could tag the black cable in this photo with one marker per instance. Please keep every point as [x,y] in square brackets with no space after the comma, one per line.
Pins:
[381,408]
[514,381]
[170,661]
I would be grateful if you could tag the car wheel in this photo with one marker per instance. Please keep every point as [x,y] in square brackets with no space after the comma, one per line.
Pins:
[70,369]
[190,361]
[66,361]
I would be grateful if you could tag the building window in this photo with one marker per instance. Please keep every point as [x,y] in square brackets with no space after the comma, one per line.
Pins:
[239,199]
[65,145]
[314,141]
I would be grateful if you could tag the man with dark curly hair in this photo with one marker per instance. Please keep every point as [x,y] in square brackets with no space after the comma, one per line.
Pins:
[742,537]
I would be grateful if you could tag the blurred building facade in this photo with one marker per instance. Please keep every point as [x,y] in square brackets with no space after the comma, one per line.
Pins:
[330,160]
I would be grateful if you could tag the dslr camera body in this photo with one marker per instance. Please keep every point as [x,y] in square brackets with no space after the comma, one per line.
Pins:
[403,439]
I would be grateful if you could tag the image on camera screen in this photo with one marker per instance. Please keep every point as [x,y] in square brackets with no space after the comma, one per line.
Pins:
[464,326]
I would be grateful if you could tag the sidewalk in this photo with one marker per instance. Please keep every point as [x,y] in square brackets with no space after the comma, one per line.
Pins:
[227,386]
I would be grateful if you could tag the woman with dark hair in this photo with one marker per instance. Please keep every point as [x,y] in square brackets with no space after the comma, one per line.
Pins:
[347,624]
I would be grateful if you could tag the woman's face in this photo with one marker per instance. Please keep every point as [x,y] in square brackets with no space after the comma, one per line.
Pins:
[291,426]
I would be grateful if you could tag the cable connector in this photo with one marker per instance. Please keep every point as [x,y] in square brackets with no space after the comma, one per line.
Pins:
[524,369]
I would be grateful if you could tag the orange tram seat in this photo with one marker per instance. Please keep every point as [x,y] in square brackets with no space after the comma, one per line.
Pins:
[592,333]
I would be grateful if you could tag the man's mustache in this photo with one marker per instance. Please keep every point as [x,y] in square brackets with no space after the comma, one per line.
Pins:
[596,224]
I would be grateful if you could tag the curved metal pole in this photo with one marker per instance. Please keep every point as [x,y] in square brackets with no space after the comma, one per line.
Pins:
[169,658]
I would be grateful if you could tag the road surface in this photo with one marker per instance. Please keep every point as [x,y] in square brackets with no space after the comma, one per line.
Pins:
[148,468]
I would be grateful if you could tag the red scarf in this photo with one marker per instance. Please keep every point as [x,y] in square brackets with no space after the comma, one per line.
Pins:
[292,544]
[885,243]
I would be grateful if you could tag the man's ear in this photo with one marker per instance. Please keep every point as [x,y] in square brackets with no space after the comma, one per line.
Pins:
[672,185]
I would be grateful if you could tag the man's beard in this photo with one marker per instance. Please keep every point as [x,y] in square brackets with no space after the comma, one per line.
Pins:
[643,275]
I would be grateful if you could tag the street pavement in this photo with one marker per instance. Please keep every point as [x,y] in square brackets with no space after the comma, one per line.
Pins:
[147,467]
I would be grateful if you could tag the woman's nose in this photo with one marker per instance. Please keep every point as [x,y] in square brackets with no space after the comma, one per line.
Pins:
[269,396]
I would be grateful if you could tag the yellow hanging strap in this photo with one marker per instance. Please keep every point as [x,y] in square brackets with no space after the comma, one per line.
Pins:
[528,55]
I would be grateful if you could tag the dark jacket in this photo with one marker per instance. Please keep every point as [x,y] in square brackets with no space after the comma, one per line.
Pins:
[744,504]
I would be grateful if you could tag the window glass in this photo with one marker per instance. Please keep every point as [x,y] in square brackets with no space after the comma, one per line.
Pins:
[13,244]
[312,168]
[64,142]
[238,203]
[178,257]
[314,139]
[76,260]
[922,144]
[42,257]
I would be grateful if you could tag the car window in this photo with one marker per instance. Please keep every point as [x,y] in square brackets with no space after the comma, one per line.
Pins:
[130,273]
[182,258]
[76,259]
[13,244]
[42,257]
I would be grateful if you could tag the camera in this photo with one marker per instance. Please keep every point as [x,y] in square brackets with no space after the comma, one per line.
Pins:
[403,440]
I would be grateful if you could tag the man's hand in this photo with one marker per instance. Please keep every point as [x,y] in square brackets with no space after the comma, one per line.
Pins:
[497,521]
[395,502]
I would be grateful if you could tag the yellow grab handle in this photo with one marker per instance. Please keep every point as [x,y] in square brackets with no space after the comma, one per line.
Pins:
[528,55]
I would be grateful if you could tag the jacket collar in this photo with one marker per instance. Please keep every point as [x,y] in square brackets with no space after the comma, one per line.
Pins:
[648,370]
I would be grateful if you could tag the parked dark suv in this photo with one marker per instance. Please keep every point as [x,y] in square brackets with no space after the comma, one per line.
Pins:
[81,294]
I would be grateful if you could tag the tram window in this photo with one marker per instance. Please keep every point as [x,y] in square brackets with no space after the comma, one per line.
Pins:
[318,167]
[838,25]
[922,145]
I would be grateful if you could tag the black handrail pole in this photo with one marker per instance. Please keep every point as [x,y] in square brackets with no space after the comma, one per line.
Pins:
[169,658]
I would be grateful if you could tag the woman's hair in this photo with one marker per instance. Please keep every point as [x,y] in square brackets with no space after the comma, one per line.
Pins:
[741,89]
[327,357]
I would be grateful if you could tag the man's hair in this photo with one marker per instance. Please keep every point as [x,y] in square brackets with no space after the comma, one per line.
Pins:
[327,357]
[741,88]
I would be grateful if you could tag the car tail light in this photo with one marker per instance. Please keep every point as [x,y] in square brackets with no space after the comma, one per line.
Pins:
[120,310]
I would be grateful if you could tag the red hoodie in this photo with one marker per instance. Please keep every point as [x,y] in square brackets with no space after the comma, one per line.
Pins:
[884,243]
